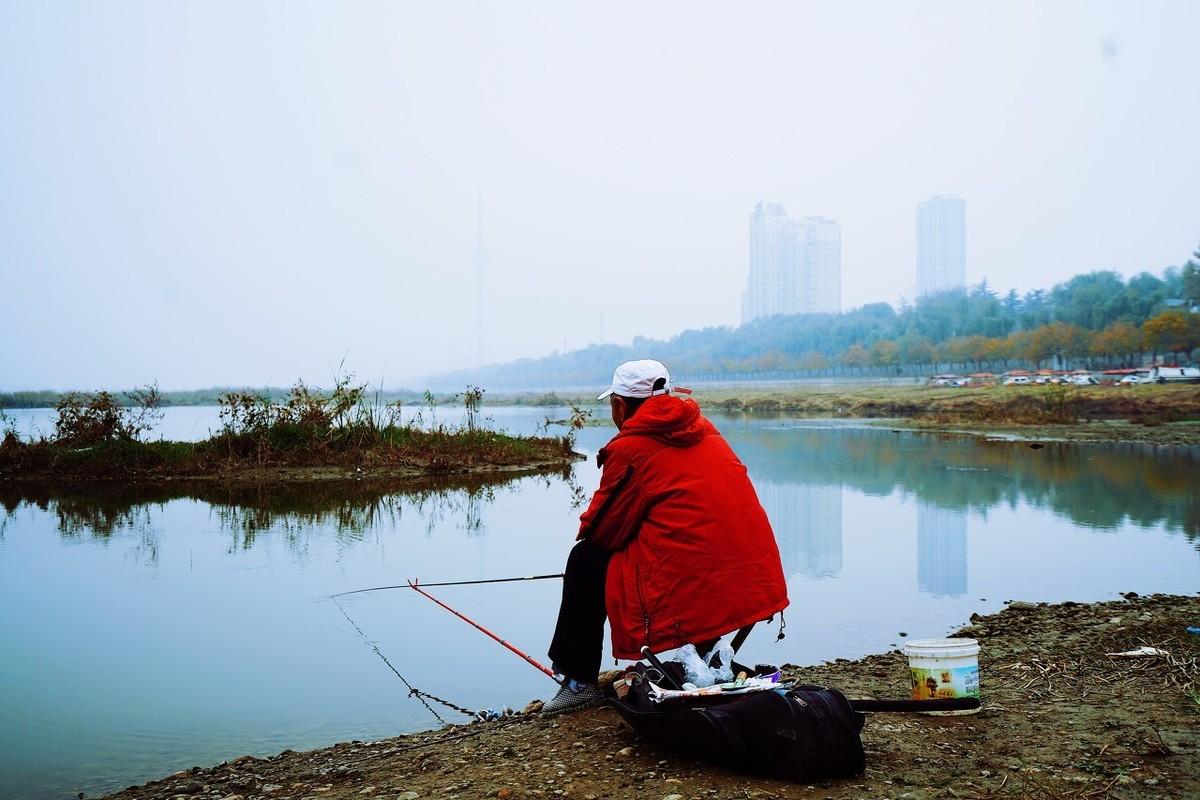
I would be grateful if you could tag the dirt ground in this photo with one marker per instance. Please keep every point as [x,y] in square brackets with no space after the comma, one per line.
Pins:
[1061,719]
[1186,434]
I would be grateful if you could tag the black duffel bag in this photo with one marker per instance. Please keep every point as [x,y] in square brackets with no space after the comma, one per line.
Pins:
[801,734]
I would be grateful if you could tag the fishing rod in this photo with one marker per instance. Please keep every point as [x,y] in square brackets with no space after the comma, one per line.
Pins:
[450,583]
[543,668]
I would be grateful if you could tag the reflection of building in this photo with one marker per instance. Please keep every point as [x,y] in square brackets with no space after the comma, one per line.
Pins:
[808,525]
[941,551]
[795,266]
[941,244]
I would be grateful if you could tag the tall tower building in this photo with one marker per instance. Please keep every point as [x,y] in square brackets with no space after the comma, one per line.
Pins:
[772,262]
[941,244]
[795,267]
[819,251]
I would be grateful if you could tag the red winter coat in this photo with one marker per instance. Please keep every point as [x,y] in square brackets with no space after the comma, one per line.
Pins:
[695,557]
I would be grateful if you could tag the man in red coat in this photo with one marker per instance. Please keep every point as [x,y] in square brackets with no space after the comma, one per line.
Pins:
[674,547]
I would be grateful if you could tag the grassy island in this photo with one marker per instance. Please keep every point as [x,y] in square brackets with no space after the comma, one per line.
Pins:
[309,435]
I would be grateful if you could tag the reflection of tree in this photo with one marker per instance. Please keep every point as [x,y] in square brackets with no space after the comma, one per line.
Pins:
[86,514]
[290,510]
[1095,485]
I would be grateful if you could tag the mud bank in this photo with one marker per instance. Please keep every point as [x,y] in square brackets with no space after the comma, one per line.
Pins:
[442,456]
[1061,719]
[1178,434]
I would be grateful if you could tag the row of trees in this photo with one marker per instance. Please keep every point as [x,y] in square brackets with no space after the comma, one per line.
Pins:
[1118,345]
[1095,318]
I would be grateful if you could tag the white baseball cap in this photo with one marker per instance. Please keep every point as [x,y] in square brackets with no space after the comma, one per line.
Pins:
[637,378]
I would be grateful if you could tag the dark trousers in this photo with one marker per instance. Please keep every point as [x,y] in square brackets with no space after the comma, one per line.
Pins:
[578,642]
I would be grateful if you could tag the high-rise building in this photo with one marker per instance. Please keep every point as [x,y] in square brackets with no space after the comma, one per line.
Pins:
[772,256]
[795,266]
[941,244]
[819,254]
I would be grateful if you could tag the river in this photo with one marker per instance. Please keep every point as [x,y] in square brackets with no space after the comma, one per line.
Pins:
[148,631]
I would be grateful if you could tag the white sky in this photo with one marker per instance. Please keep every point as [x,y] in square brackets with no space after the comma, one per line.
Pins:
[211,193]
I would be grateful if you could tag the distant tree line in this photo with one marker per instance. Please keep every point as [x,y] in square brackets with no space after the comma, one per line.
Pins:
[49,398]
[1095,320]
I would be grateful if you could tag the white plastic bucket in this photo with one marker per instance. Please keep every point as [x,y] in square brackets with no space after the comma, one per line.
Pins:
[944,668]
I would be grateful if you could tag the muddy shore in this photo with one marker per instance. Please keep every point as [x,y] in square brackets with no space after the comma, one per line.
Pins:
[1061,719]
[1178,434]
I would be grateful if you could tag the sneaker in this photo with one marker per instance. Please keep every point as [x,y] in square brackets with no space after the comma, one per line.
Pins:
[573,696]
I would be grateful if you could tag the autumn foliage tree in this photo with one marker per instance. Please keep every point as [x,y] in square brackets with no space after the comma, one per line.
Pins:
[1173,331]
[1119,340]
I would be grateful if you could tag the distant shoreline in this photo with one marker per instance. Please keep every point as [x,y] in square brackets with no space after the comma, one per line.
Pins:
[1151,414]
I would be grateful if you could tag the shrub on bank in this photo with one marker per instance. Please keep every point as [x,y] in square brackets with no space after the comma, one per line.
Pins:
[97,437]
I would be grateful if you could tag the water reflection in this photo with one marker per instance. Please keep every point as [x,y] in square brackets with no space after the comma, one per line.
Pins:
[941,551]
[291,512]
[156,588]
[808,526]
[1096,486]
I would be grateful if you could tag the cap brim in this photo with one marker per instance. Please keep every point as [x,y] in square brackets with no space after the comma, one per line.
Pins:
[606,394]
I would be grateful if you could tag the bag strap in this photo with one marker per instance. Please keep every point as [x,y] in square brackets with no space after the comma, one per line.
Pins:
[742,635]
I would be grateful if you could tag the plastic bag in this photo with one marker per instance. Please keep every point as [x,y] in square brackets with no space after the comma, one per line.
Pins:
[696,671]
[720,661]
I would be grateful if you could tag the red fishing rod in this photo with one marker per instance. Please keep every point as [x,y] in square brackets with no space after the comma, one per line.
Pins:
[549,672]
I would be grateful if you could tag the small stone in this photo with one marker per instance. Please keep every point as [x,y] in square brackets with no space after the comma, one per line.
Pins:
[625,751]
[504,793]
[533,707]
[407,796]
[191,788]
[367,790]
[672,797]
[232,797]
[1020,604]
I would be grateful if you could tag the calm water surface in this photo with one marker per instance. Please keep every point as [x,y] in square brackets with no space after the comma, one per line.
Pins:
[146,633]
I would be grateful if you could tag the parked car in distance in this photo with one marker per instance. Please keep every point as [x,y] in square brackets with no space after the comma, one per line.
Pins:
[1016,380]
[1175,374]
[1084,380]
[1133,379]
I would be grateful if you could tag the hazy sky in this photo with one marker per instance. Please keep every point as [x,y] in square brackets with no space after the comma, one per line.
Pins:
[211,193]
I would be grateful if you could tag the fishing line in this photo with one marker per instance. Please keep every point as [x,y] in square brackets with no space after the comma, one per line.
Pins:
[451,583]
[531,661]
[412,690]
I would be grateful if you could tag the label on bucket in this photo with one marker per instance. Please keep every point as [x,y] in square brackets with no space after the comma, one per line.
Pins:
[937,684]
